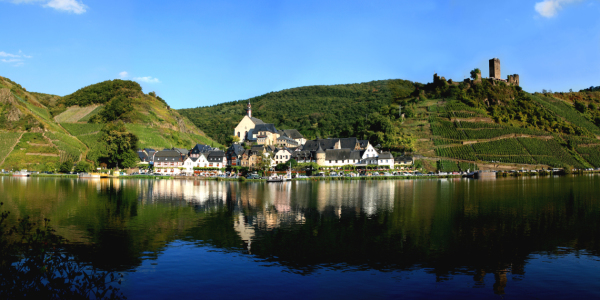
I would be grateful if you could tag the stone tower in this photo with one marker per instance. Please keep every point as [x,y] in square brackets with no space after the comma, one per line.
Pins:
[320,155]
[249,110]
[513,79]
[495,68]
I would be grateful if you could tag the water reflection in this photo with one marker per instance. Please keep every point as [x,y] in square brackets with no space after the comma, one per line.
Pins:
[446,227]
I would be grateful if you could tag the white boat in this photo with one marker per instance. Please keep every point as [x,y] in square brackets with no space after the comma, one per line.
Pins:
[22,173]
[89,175]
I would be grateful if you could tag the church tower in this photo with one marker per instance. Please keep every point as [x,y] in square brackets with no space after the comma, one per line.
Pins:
[249,110]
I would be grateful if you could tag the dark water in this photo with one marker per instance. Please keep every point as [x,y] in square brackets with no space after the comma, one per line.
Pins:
[413,239]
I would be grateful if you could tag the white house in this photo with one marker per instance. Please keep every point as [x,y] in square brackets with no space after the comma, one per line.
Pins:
[281,156]
[190,163]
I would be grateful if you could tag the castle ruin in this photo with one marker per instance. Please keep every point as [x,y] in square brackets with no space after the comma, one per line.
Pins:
[495,76]
[495,68]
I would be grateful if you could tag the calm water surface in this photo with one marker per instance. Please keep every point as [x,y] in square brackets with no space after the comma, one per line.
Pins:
[416,239]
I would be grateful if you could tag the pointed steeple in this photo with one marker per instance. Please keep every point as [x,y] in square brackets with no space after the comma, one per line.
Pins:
[320,149]
[249,109]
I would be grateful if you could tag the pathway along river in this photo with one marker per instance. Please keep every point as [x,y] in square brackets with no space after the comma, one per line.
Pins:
[518,238]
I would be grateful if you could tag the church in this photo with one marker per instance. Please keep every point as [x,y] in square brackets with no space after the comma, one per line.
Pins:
[254,130]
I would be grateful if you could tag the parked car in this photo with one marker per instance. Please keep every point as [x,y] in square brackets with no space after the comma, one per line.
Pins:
[253,176]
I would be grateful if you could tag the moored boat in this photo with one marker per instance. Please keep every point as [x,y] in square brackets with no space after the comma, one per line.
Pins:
[89,175]
[22,173]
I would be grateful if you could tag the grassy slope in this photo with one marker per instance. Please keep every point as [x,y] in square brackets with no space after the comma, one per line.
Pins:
[71,140]
[155,124]
[33,144]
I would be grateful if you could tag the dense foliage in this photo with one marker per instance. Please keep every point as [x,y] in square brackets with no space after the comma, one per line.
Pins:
[103,92]
[316,111]
[114,110]
[115,147]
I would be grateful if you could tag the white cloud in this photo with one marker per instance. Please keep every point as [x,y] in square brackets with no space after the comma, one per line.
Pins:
[123,74]
[147,79]
[73,6]
[14,59]
[4,54]
[549,8]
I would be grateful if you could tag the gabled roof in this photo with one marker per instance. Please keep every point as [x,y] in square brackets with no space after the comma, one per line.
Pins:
[194,159]
[342,154]
[293,134]
[385,155]
[235,149]
[314,144]
[168,155]
[257,121]
[348,143]
[363,143]
[258,148]
[283,149]
[217,153]
[201,148]
[142,155]
[345,143]
[182,151]
[265,127]
[215,156]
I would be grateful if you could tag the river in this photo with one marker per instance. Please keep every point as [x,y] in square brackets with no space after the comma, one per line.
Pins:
[517,238]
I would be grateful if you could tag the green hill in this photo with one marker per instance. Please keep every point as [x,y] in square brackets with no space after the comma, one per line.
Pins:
[489,122]
[316,111]
[40,131]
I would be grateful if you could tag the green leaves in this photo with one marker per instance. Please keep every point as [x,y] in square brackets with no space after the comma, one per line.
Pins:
[116,146]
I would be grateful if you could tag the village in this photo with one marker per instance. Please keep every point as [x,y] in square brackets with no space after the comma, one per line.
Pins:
[259,146]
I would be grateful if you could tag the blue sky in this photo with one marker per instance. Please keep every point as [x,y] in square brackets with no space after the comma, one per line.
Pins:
[198,53]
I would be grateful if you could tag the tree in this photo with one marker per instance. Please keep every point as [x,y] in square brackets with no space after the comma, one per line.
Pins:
[580,106]
[49,167]
[66,166]
[474,73]
[118,146]
[83,166]
[232,139]
[116,108]
[265,162]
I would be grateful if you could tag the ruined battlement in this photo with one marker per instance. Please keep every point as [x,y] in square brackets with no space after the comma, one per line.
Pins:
[513,79]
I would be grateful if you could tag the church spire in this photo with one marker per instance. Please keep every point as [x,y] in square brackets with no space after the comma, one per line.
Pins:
[249,110]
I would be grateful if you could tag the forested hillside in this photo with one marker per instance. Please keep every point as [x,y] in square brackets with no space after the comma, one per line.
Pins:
[316,111]
[481,120]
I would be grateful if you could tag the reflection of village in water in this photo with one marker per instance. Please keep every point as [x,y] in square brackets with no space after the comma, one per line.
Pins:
[443,226]
[266,207]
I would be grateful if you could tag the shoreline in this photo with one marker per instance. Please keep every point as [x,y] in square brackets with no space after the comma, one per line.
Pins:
[340,178]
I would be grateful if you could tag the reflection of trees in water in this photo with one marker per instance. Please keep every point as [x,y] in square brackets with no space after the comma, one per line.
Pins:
[446,227]
[447,234]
